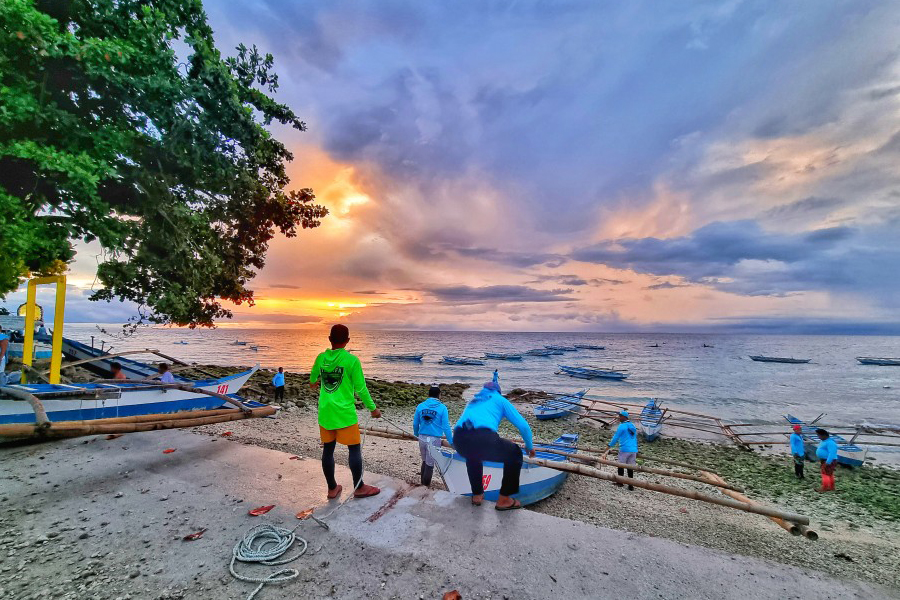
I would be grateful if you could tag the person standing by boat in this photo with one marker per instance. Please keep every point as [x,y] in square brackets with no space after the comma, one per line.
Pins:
[165,376]
[430,422]
[798,451]
[116,369]
[827,454]
[339,377]
[278,382]
[626,438]
[476,439]
[4,348]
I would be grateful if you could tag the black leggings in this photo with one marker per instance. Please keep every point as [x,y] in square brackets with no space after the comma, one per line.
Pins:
[279,393]
[355,460]
[478,445]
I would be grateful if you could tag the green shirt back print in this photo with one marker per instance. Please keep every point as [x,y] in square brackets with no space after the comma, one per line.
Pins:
[341,380]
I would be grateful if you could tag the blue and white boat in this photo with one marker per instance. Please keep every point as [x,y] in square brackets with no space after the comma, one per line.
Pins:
[502,356]
[562,348]
[543,352]
[592,372]
[535,483]
[560,407]
[651,420]
[461,360]
[415,357]
[848,453]
[91,401]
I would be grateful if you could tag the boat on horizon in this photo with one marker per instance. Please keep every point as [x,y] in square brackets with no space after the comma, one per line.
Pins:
[502,356]
[883,362]
[415,357]
[779,359]
[560,406]
[461,360]
[651,420]
[848,453]
[543,352]
[238,343]
[587,372]
[589,347]
[535,482]
[181,343]
[562,348]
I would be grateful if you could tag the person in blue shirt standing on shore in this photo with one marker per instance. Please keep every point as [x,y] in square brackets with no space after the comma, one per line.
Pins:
[430,422]
[278,382]
[798,451]
[476,439]
[827,454]
[626,437]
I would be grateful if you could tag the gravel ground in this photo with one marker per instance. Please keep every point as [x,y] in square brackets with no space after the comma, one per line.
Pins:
[868,553]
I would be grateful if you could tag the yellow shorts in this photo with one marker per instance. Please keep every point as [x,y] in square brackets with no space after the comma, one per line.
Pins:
[348,436]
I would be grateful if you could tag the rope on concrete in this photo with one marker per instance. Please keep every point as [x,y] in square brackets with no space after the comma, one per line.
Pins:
[266,544]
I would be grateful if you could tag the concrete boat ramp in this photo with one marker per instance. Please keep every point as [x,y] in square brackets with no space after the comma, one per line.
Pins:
[98,518]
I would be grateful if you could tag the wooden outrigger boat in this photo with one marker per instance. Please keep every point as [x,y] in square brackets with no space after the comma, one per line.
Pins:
[543,352]
[502,356]
[461,360]
[778,359]
[562,348]
[560,406]
[414,357]
[99,361]
[883,362]
[651,420]
[848,453]
[535,483]
[589,347]
[592,372]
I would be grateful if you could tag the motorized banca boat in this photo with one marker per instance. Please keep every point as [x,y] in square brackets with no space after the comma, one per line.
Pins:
[778,359]
[560,407]
[562,348]
[589,347]
[502,356]
[102,367]
[848,453]
[535,483]
[461,360]
[592,372]
[91,401]
[400,356]
[651,420]
[884,362]
[543,352]
[239,343]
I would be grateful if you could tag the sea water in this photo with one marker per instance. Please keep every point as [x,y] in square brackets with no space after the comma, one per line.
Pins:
[719,380]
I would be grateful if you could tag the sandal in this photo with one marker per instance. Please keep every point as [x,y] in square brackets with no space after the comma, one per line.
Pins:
[366,490]
[514,506]
[478,501]
[332,494]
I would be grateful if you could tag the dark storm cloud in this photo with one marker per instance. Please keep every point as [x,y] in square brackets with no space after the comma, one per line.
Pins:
[464,294]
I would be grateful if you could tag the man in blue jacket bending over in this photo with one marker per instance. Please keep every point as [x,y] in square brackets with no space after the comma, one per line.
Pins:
[626,437]
[430,422]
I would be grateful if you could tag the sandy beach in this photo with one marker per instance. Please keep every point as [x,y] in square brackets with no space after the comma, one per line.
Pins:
[857,540]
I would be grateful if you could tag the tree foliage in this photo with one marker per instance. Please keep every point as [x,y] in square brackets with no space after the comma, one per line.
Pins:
[105,135]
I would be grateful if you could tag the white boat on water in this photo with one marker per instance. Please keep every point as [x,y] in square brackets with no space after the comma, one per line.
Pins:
[399,356]
[592,372]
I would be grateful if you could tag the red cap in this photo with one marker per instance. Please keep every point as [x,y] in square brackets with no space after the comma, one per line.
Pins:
[797,428]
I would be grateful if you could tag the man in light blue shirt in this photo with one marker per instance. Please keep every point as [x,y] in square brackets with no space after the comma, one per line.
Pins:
[430,422]
[798,451]
[626,438]
[278,382]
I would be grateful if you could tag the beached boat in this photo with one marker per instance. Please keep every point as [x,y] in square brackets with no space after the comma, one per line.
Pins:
[461,360]
[560,407]
[651,420]
[592,372]
[562,348]
[41,351]
[884,362]
[535,483]
[400,356]
[778,359]
[848,453]
[132,369]
[502,356]
[543,352]
[92,401]
[589,347]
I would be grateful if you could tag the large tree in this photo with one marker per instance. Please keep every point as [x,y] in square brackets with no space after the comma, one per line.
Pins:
[121,122]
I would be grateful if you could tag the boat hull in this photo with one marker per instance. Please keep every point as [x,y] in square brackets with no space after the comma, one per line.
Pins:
[776,359]
[535,483]
[881,362]
[413,357]
[651,421]
[470,362]
[560,407]
[127,401]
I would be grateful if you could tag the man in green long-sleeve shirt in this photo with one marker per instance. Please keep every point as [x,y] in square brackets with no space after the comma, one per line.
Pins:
[339,377]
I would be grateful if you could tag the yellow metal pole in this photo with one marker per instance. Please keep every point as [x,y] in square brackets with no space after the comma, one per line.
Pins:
[58,319]
[28,346]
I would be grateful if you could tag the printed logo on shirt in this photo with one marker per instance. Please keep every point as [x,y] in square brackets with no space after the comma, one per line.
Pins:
[428,415]
[331,380]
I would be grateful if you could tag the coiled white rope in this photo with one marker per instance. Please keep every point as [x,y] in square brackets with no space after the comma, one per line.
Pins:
[266,544]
